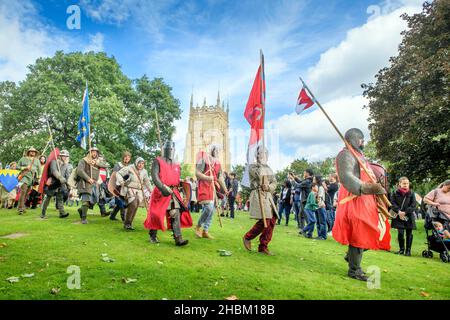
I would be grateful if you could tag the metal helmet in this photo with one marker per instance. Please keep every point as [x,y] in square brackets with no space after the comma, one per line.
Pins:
[169,149]
[353,137]
[64,153]
[138,159]
[214,149]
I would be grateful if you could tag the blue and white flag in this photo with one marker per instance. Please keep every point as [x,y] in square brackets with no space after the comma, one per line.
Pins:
[84,121]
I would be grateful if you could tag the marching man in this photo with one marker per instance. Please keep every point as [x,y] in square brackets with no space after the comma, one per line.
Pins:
[209,176]
[31,170]
[263,185]
[133,179]
[166,202]
[358,223]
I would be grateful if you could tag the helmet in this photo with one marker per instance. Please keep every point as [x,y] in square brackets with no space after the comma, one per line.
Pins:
[353,137]
[169,149]
[64,153]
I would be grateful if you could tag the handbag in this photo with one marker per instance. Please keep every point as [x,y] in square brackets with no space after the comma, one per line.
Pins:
[395,214]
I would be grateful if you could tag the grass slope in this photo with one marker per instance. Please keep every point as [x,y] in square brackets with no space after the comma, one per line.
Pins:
[301,269]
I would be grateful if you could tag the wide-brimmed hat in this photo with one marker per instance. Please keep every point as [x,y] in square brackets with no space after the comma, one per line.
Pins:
[32,149]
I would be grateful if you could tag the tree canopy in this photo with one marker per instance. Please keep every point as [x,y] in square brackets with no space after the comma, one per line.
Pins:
[122,110]
[409,103]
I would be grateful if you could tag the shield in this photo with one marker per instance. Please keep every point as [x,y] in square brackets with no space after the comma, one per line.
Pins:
[380,174]
[187,194]
[112,187]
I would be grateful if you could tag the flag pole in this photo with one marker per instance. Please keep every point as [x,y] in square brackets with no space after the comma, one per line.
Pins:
[263,101]
[384,200]
[52,143]
[89,128]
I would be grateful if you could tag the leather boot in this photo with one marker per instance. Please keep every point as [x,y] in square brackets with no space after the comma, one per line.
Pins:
[179,241]
[198,231]
[84,210]
[206,235]
[401,244]
[409,241]
[153,237]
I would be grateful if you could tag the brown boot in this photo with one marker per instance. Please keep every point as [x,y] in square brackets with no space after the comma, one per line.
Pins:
[198,231]
[247,244]
[206,235]
[266,252]
[180,242]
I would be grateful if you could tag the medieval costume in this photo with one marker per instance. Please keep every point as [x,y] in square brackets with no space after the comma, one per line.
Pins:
[88,172]
[263,185]
[132,180]
[30,171]
[209,176]
[35,197]
[119,202]
[358,223]
[166,201]
[57,173]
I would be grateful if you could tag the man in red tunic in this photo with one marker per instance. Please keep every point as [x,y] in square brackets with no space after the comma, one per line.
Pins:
[209,176]
[358,223]
[166,202]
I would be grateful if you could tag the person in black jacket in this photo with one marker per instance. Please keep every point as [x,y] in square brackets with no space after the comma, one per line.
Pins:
[404,204]
[285,202]
[304,187]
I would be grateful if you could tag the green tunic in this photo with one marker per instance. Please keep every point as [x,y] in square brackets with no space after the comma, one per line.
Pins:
[35,171]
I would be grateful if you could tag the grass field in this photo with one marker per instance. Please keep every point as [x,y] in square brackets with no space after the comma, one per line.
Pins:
[301,269]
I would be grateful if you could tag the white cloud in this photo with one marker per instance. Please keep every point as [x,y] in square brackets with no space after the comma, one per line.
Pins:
[95,43]
[23,39]
[366,49]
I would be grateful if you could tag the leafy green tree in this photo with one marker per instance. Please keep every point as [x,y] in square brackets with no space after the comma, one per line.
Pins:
[53,91]
[409,103]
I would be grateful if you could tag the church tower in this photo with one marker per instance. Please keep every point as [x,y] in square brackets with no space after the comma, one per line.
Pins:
[208,125]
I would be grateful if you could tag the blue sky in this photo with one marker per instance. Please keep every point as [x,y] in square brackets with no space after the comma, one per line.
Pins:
[335,45]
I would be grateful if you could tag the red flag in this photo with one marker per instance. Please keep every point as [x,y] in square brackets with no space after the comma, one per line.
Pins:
[303,102]
[53,155]
[254,109]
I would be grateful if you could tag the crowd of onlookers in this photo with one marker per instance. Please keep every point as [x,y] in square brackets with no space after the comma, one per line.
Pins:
[311,199]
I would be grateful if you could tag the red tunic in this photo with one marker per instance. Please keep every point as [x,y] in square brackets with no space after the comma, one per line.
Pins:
[157,210]
[357,220]
[205,189]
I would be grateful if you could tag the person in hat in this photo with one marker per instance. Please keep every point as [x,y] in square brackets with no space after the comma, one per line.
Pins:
[166,201]
[358,223]
[263,185]
[35,197]
[30,171]
[133,181]
[58,172]
[119,201]
[88,171]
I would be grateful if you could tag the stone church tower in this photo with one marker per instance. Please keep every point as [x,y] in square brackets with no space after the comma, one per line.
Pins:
[208,125]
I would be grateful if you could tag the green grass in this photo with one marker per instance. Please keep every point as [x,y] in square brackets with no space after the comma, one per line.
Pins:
[301,269]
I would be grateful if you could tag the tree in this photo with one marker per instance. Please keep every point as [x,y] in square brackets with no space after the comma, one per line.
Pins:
[409,103]
[53,91]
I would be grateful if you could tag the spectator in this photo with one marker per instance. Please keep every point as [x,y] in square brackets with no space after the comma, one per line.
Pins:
[332,189]
[440,198]
[305,187]
[234,186]
[321,211]
[404,204]
[285,202]
[297,198]
[311,206]
[194,205]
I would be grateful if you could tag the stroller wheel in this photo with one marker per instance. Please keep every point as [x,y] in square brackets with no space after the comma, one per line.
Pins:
[430,254]
[445,257]
[425,253]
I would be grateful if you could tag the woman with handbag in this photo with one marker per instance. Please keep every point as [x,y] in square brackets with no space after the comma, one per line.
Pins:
[403,206]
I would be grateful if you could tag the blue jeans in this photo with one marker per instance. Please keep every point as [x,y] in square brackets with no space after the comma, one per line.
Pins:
[287,211]
[322,223]
[206,216]
[311,218]
[331,215]
[298,212]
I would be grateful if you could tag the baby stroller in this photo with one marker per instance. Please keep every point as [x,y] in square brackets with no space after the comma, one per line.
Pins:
[434,241]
